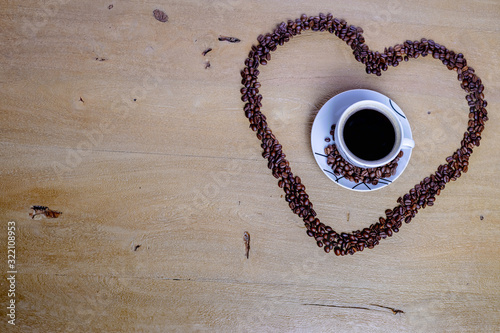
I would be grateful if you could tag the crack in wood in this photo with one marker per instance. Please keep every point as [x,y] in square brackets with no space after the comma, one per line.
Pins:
[246,239]
[44,211]
[394,311]
[339,306]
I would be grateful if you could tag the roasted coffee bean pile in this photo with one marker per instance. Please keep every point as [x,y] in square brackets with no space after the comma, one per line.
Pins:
[356,174]
[422,194]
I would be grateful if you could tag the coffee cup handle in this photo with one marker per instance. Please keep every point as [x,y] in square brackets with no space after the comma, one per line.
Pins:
[407,143]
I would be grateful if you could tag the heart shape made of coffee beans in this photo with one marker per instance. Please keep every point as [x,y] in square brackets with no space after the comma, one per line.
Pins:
[422,194]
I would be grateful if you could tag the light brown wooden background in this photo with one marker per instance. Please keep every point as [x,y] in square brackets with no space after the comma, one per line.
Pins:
[111,117]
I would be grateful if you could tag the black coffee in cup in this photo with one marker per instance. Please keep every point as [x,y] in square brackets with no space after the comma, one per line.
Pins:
[369,134]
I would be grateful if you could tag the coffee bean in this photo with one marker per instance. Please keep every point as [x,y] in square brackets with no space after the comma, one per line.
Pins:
[356,174]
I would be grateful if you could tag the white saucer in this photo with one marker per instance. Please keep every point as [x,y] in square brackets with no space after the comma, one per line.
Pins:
[329,115]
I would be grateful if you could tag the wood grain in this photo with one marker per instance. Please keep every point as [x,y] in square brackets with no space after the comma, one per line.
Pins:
[111,117]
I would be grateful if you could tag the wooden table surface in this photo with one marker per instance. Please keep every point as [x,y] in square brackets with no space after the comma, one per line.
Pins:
[111,117]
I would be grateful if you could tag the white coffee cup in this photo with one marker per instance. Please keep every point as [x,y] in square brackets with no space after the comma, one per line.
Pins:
[400,141]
